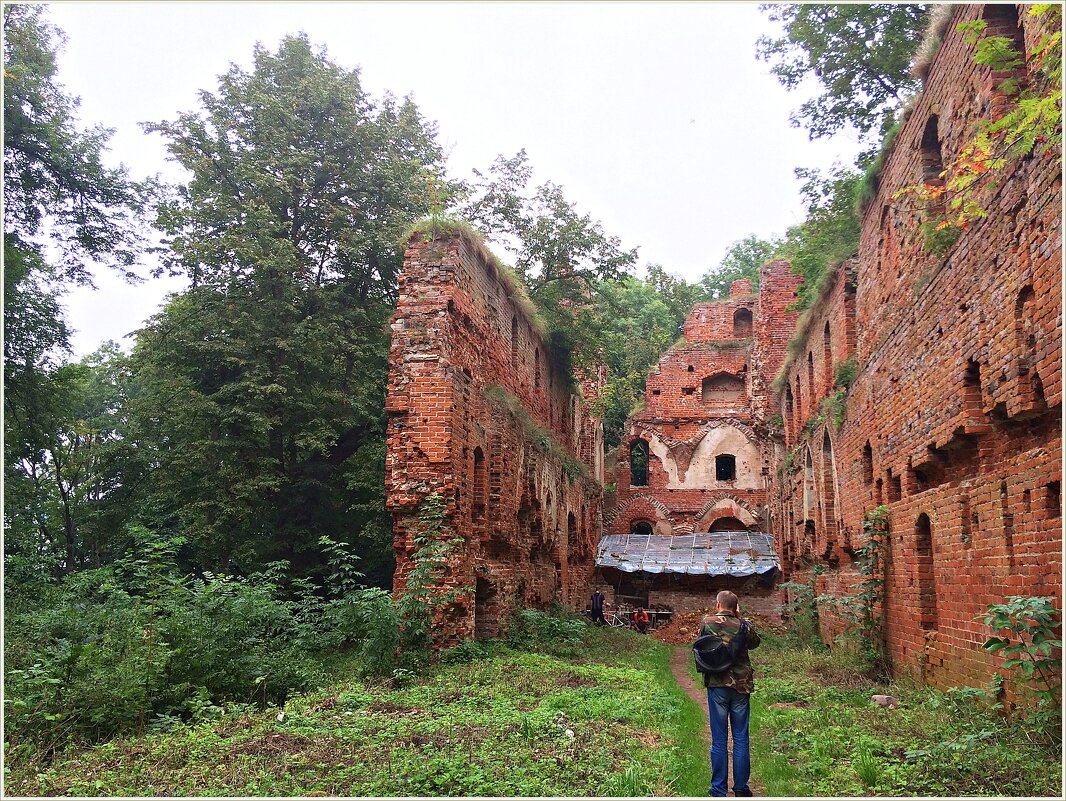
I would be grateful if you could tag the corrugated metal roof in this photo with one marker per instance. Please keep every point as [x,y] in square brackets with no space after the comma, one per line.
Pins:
[718,553]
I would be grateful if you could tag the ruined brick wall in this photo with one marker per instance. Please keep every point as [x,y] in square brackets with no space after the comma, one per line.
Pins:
[953,420]
[707,399]
[480,413]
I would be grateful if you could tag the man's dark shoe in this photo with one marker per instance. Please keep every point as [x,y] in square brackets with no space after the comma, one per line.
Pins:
[742,793]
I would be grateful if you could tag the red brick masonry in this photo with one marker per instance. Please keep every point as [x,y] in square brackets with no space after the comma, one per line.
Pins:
[953,420]
[478,413]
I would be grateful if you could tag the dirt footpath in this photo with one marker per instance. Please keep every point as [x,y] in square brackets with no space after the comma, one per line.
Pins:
[679,661]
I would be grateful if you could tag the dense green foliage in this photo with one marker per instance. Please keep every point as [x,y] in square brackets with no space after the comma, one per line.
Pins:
[64,211]
[138,644]
[830,233]
[287,232]
[565,709]
[860,54]
[742,260]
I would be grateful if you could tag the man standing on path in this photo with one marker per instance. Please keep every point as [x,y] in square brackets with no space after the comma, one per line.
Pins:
[597,608]
[728,696]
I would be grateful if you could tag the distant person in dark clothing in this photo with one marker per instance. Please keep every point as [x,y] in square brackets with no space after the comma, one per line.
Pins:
[728,696]
[641,620]
[597,608]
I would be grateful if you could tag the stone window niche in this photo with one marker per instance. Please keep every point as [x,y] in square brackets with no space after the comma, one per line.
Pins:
[923,546]
[742,326]
[722,389]
[932,162]
[725,467]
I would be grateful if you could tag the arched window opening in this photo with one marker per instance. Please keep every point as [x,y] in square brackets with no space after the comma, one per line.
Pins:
[867,463]
[742,323]
[799,407]
[573,543]
[790,413]
[932,158]
[641,527]
[722,388]
[638,464]
[923,546]
[829,508]
[827,358]
[536,368]
[514,340]
[808,486]
[810,376]
[725,467]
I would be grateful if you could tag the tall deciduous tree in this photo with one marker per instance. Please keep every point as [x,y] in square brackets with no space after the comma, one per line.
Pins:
[64,212]
[860,54]
[263,385]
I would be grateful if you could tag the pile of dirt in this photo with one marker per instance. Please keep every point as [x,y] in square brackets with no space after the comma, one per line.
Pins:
[682,628]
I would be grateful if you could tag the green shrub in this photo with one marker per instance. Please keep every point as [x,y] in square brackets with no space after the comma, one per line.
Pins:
[557,633]
[136,645]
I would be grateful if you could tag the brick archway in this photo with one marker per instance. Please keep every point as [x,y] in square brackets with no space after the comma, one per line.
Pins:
[642,507]
[722,506]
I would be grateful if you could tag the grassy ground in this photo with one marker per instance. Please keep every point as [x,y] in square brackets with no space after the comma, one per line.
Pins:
[815,732]
[603,717]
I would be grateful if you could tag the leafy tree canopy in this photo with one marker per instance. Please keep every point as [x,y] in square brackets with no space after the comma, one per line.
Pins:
[831,231]
[860,54]
[63,212]
[559,253]
[742,260]
[288,231]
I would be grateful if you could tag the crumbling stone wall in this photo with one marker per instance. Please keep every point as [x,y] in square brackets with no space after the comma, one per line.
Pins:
[481,412]
[953,418]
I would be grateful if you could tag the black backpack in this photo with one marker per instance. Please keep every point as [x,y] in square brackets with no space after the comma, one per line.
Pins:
[713,655]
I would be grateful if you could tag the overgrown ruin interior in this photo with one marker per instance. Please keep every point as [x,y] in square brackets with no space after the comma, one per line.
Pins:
[930,383]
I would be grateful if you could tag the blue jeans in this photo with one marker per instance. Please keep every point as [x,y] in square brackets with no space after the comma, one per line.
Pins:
[729,710]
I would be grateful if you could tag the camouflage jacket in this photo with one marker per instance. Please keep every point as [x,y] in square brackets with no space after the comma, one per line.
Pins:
[741,677]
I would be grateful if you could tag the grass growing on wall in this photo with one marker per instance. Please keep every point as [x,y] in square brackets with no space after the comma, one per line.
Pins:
[540,438]
[440,226]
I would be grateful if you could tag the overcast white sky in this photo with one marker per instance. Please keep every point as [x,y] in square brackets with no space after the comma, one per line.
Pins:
[656,118]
